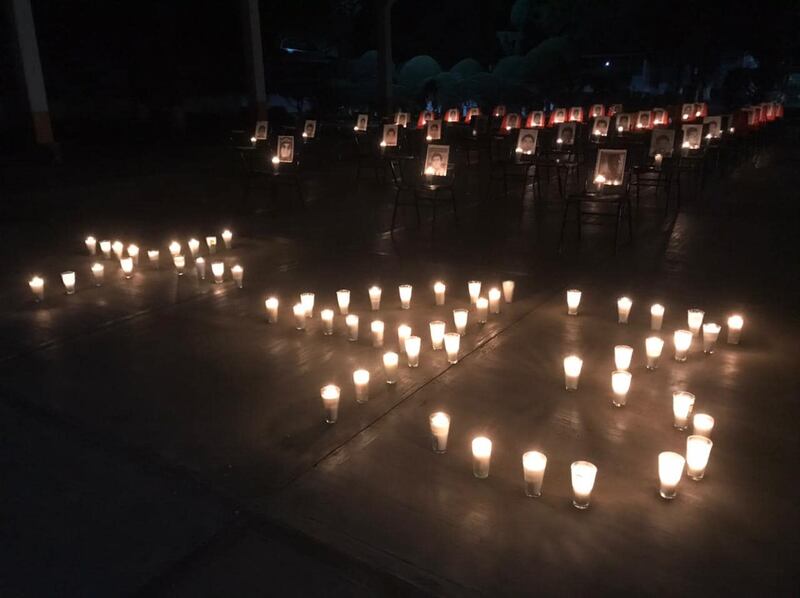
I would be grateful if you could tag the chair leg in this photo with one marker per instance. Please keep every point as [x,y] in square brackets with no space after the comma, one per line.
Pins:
[394,212]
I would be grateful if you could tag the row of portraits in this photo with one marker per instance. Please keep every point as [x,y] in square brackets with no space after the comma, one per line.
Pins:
[262,128]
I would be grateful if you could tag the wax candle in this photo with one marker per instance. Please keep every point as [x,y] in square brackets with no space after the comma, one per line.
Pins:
[180,263]
[481,456]
[375,297]
[710,336]
[694,318]
[413,346]
[361,382]
[377,327]
[218,270]
[200,267]
[68,278]
[683,340]
[653,346]
[37,287]
[437,334]
[194,246]
[307,299]
[330,401]
[698,450]
[482,309]
[657,160]
[474,288]
[620,384]
[133,252]
[670,471]
[237,274]
[327,321]
[622,357]
[174,248]
[91,245]
[533,466]
[494,301]
[508,290]
[153,255]
[271,305]
[682,405]
[624,305]
[390,363]
[98,271]
[656,316]
[126,264]
[440,430]
[105,247]
[299,316]
[702,424]
[352,327]
[460,317]
[572,371]
[227,238]
[573,301]
[405,296]
[118,248]
[403,332]
[452,342]
[211,242]
[735,324]
[439,289]
[583,477]
[343,299]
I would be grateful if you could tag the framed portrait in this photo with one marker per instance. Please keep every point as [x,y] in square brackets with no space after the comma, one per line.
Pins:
[662,141]
[687,112]
[535,119]
[526,141]
[401,119]
[512,120]
[262,127]
[576,114]
[713,125]
[361,122]
[600,126]
[390,135]
[566,133]
[700,110]
[434,129]
[660,117]
[692,136]
[310,129]
[610,165]
[436,159]
[597,110]
[499,110]
[452,115]
[285,148]
[643,119]
[622,122]
[559,116]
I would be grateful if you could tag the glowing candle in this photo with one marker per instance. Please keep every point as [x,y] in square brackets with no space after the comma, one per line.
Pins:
[413,346]
[439,289]
[68,278]
[656,316]
[573,301]
[437,334]
[330,400]
[390,361]
[326,315]
[133,252]
[299,316]
[702,424]
[670,471]
[682,405]
[403,332]
[126,264]
[653,346]
[91,245]
[482,309]
[352,327]
[508,290]
[361,382]
[377,327]
[375,297]
[474,287]
[307,299]
[572,371]
[343,299]
[98,271]
[440,430]
[624,305]
[460,317]
[118,249]
[735,324]
[583,477]
[200,267]
[698,450]
[620,384]
[237,273]
[194,246]
[105,247]
[405,296]
[622,357]
[695,320]
[37,287]
[481,456]
[533,466]
[657,160]
[153,255]
[175,248]
[452,342]
[212,244]
[710,336]
[218,270]
[180,263]
[494,301]
[683,340]
[271,305]
[227,238]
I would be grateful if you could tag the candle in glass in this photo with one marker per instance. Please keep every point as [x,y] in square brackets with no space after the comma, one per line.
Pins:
[403,332]
[698,450]
[482,309]
[494,301]
[657,159]
[361,382]
[153,255]
[405,296]
[437,334]
[474,287]
[413,346]
[656,316]
[307,299]
[702,424]
[326,315]
[583,477]
[271,305]
[683,340]
[390,362]
[330,400]
[377,327]
[710,336]
[670,471]
[68,278]
[227,238]
[299,316]
[343,299]
[37,287]
[440,430]
[572,371]
[694,318]
[126,264]
[533,466]
[218,270]
[622,357]
[624,305]
[174,248]
[682,405]
[460,317]
[508,290]
[211,242]
[735,324]
[481,456]
[200,267]
[91,245]
[194,246]
[118,248]
[352,327]
[573,301]
[180,263]
[133,252]
[653,346]
[375,297]
[105,247]
[439,289]
[620,384]
[452,342]
[98,271]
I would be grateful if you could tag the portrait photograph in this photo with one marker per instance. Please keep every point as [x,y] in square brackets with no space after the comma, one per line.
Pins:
[611,165]
[261,130]
[526,141]
[401,119]
[566,133]
[435,129]
[713,126]
[643,119]
[699,109]
[560,115]
[286,148]
[693,135]
[390,135]
[535,119]
[512,121]
[310,129]
[662,141]
[436,160]
[576,114]
[659,116]
[623,121]
[361,122]
[597,110]
[452,115]
[500,110]
[687,112]
[600,126]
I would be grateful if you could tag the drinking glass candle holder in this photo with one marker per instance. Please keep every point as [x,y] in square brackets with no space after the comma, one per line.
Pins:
[271,305]
[481,456]
[390,363]
[180,264]
[474,288]
[326,315]
[126,264]
[307,299]
[653,346]
[403,332]
[153,255]
[437,334]
[682,340]
[452,342]
[482,310]
[735,325]
[352,327]
[227,238]
[299,311]
[118,248]
[573,301]
[405,295]
[439,290]
[174,248]
[375,298]
[98,272]
[533,465]
[361,382]
[68,278]
[624,305]
[460,317]
[656,316]
[343,299]
[413,346]
[583,477]
[710,336]
[133,252]
[211,242]
[377,327]
[572,371]
[494,301]
[330,401]
[91,245]
[622,357]
[440,430]
[37,287]
[694,319]
[200,267]
[218,270]
[105,247]
[508,291]
[702,424]
[698,450]
[682,405]
[237,274]
[620,385]
[670,471]
[194,246]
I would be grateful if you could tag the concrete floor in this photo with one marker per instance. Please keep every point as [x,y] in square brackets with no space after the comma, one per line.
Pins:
[162,439]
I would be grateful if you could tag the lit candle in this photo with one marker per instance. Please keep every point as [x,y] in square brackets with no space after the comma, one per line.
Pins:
[390,361]
[218,270]
[481,456]
[656,316]
[460,317]
[533,466]
[695,320]
[573,301]
[194,246]
[361,382]
[126,264]
[474,287]
[702,424]
[105,247]
[482,309]
[153,255]
[271,305]
[343,298]
[413,346]
[653,346]
[352,327]
[237,273]
[494,301]
[437,334]
[698,450]
[91,245]
[508,290]
[133,252]
[439,289]
[620,384]
[299,316]
[403,332]
[37,287]
[440,430]
[735,324]
[452,342]
[327,321]
[657,159]
[98,271]
[405,296]
[118,249]
[583,476]
[670,471]
[68,278]
[682,405]
[227,237]
[572,371]
[175,248]
[330,400]
[622,357]
[307,299]
[180,263]
[200,267]
[375,297]
[212,244]
[683,340]
[377,327]
[624,305]
[710,336]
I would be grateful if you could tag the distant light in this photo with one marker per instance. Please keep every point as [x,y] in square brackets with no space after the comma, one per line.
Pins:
[607,63]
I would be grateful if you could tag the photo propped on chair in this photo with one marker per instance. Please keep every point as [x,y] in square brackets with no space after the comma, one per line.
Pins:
[692,136]
[390,135]
[609,169]
[262,127]
[600,126]
[662,141]
[361,122]
[434,129]
[566,134]
[310,129]
[526,141]
[285,149]
[436,160]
